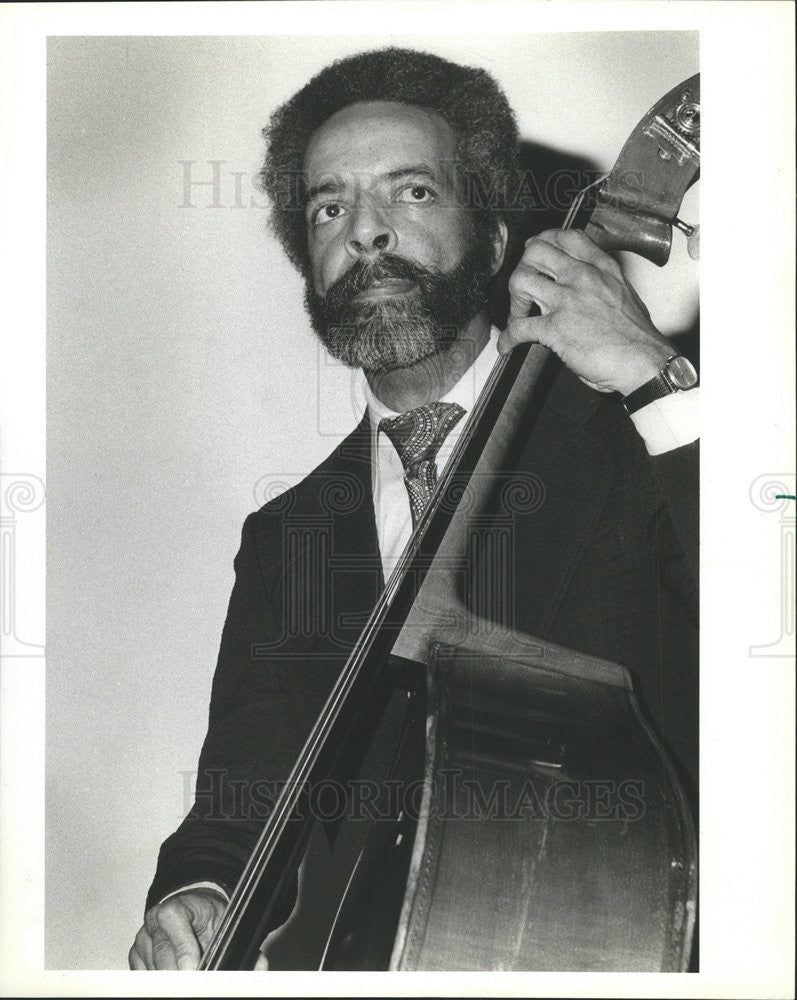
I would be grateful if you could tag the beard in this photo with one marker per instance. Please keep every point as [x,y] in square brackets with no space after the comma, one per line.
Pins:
[393,331]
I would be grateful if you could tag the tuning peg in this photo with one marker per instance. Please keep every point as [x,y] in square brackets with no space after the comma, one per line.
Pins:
[693,243]
[692,234]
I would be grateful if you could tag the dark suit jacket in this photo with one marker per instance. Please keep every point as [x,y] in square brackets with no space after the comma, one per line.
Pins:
[603,560]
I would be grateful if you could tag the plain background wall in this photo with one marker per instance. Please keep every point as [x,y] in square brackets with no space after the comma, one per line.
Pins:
[184,387]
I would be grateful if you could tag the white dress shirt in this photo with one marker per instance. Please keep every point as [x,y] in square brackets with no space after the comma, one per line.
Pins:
[391,500]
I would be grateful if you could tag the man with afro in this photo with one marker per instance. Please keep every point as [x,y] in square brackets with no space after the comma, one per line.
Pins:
[392,177]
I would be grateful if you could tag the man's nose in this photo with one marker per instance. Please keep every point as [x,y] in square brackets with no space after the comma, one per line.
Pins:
[370,233]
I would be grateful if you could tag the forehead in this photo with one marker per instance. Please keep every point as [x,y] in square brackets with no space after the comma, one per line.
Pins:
[375,137]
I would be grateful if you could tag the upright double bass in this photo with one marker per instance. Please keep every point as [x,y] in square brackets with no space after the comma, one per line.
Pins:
[523,720]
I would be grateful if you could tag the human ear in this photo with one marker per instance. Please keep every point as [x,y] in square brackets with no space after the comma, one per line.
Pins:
[499,239]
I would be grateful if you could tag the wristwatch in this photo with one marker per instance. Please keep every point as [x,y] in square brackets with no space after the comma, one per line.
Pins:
[677,375]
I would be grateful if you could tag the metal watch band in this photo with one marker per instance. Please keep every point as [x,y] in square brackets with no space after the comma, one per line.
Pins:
[656,388]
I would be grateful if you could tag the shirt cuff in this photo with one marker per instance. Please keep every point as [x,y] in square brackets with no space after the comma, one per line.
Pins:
[670,422]
[197,885]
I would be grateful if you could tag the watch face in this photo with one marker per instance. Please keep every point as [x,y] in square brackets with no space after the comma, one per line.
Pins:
[681,373]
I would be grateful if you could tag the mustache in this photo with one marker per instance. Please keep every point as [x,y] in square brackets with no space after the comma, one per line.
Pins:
[363,274]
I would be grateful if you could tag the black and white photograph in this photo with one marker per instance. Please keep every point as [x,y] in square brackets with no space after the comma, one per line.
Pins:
[415,588]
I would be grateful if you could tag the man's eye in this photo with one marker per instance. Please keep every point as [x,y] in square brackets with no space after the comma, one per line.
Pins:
[327,213]
[417,194]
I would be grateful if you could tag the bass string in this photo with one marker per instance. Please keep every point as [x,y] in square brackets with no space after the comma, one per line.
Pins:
[351,673]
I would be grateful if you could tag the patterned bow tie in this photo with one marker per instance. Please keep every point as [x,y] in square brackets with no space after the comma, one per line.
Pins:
[417,436]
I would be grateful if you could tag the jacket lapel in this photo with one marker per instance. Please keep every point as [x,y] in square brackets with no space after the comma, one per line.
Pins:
[357,578]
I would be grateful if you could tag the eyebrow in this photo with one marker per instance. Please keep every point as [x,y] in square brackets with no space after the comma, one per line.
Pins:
[328,187]
[413,170]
